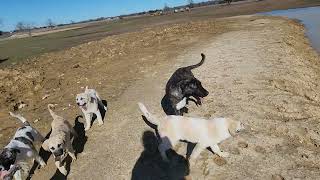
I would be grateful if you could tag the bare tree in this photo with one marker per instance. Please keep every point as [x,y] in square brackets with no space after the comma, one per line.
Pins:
[166,7]
[228,1]
[50,23]
[190,3]
[22,26]
[1,23]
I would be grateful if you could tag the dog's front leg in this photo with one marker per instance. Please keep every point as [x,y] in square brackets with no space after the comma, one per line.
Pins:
[215,148]
[71,151]
[99,118]
[88,120]
[62,168]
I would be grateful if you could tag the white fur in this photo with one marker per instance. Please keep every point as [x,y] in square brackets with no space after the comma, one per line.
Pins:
[89,102]
[182,103]
[206,133]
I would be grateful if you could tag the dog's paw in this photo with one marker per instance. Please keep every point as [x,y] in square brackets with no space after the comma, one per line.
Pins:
[87,128]
[224,154]
[63,171]
[42,165]
[100,124]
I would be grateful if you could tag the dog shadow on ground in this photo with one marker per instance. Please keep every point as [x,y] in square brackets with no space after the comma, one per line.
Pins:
[167,106]
[3,59]
[102,111]
[151,166]
[77,144]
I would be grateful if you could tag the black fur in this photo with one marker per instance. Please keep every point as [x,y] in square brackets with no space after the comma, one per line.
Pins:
[29,134]
[8,157]
[23,127]
[183,84]
[24,141]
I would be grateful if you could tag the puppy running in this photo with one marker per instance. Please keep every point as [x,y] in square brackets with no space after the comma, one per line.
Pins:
[206,133]
[59,142]
[20,149]
[89,102]
[180,87]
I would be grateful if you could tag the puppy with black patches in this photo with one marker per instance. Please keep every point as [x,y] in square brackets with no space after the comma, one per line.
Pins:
[60,141]
[181,86]
[21,148]
[89,103]
[204,132]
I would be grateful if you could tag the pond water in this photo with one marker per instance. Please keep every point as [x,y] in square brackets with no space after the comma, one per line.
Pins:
[310,17]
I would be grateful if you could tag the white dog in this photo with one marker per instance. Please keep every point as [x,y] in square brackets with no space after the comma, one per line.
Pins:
[60,142]
[206,133]
[89,102]
[20,149]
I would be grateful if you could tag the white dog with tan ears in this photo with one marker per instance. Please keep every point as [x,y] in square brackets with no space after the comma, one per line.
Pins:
[60,140]
[206,133]
[89,102]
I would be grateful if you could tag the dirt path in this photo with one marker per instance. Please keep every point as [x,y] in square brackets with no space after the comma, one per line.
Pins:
[245,78]
[260,70]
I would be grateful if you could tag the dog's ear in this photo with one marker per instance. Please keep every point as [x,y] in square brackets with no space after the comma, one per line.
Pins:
[45,145]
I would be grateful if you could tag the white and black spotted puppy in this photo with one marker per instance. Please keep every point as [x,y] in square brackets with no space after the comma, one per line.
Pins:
[21,148]
[89,102]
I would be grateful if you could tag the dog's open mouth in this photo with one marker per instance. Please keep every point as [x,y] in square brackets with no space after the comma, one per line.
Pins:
[83,106]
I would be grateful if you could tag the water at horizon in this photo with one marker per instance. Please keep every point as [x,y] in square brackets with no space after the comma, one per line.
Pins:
[310,17]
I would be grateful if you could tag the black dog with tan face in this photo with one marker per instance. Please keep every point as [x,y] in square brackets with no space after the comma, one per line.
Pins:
[181,86]
[60,140]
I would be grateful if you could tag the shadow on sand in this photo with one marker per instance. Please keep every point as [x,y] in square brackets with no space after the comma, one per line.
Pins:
[150,165]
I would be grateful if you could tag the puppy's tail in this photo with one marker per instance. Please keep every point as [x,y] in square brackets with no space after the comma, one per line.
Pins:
[148,115]
[53,114]
[21,118]
[203,57]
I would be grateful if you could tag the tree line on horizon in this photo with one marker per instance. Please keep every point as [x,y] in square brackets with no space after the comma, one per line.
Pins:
[22,26]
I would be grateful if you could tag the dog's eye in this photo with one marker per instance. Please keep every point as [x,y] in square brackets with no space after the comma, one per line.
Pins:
[59,145]
[81,98]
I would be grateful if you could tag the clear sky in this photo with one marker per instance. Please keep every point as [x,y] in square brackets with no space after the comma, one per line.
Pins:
[37,12]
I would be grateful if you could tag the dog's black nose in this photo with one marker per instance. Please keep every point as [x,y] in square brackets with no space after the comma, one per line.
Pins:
[58,152]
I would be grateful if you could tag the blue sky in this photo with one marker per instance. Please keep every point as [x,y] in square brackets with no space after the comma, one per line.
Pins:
[37,12]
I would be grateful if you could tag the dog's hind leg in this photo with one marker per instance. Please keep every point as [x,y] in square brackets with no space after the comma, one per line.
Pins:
[197,151]
[99,118]
[215,148]
[35,155]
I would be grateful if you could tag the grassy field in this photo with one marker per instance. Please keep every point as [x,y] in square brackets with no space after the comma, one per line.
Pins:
[19,49]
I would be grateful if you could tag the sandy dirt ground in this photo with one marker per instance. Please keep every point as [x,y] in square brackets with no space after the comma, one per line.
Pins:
[260,70]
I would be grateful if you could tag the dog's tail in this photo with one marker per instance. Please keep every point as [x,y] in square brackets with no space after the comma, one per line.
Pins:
[21,118]
[203,57]
[148,115]
[53,114]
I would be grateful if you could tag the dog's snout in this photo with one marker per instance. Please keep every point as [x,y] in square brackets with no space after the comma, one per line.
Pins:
[58,152]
